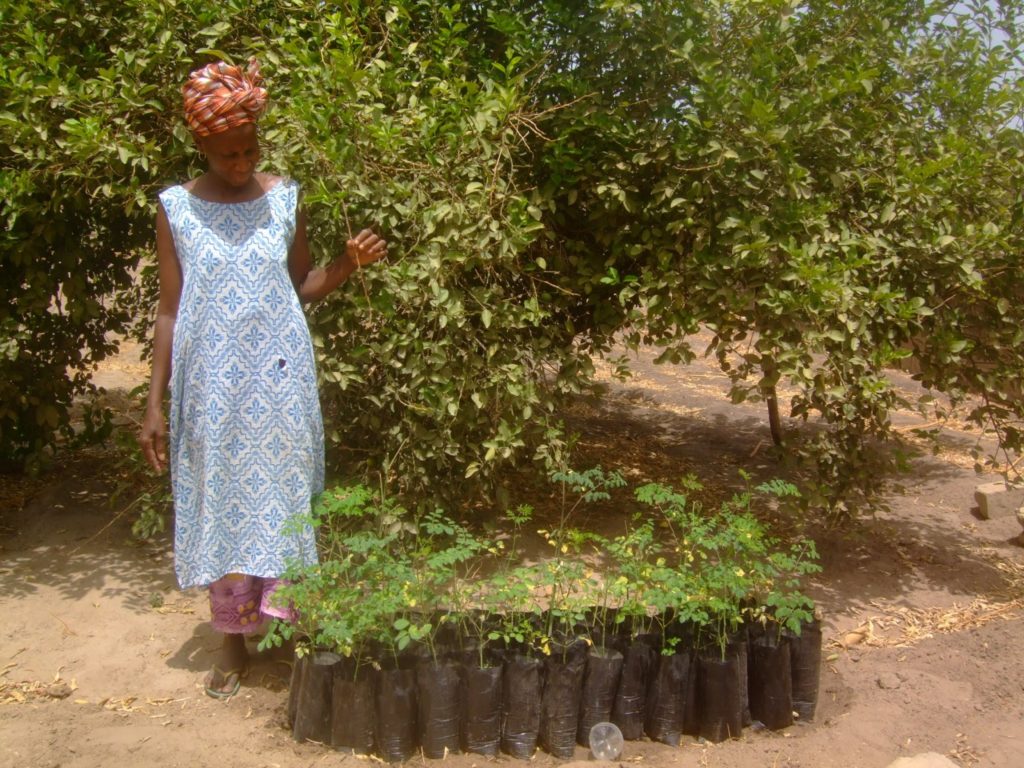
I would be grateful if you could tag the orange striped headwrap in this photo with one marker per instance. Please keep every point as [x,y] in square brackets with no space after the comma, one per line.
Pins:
[220,96]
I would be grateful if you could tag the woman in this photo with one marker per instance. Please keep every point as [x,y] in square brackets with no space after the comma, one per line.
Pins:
[231,340]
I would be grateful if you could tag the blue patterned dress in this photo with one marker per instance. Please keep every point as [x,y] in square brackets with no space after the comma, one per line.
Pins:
[246,436]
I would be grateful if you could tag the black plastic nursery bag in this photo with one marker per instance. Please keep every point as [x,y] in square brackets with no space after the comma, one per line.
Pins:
[805,664]
[666,698]
[600,683]
[771,682]
[354,711]
[439,696]
[720,703]
[560,707]
[520,710]
[481,716]
[396,714]
[294,686]
[629,708]
[313,702]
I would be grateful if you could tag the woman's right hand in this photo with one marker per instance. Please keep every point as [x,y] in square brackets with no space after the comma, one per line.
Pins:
[153,439]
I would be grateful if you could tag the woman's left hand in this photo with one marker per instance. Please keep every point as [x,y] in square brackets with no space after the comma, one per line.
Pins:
[365,248]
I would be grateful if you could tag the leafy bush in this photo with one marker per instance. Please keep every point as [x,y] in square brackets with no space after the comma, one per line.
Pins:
[82,131]
[408,117]
[441,365]
[828,187]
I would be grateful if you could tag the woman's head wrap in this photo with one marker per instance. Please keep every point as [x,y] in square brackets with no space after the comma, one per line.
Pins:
[220,96]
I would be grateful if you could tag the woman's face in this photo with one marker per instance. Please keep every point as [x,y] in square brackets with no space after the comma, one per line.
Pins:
[232,155]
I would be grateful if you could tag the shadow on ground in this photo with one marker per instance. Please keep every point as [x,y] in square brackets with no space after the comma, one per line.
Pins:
[67,536]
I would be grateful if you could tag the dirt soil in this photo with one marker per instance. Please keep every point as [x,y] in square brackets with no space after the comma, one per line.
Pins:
[102,657]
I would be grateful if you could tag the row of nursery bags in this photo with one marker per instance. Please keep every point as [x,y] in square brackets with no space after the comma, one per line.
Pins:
[520,702]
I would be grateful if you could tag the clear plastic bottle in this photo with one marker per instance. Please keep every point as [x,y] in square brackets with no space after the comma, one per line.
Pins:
[605,741]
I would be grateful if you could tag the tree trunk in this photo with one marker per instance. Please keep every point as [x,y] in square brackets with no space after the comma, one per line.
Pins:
[768,385]
[773,418]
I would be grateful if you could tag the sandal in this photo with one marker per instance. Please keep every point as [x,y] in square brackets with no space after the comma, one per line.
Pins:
[221,684]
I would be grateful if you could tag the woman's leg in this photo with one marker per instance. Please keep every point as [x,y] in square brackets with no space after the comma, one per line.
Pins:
[235,610]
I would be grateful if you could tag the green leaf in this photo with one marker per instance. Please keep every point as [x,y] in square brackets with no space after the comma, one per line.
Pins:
[215,53]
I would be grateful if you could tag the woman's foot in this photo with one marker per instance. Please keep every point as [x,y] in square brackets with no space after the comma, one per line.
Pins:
[224,680]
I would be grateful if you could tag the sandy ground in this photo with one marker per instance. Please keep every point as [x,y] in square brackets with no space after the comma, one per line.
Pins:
[101,657]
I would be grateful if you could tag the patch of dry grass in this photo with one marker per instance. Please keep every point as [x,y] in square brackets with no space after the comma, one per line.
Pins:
[901,627]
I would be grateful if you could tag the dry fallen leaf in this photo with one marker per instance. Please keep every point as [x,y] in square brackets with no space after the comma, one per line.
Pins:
[182,606]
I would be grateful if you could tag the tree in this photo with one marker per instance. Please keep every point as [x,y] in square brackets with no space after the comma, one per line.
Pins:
[829,187]
[82,135]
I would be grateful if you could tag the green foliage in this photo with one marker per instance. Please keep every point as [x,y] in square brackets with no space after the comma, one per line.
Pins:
[562,581]
[389,579]
[70,177]
[720,570]
[437,366]
[386,579]
[138,490]
[89,132]
[830,188]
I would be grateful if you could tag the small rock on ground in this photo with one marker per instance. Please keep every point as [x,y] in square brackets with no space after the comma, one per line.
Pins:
[889,681]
